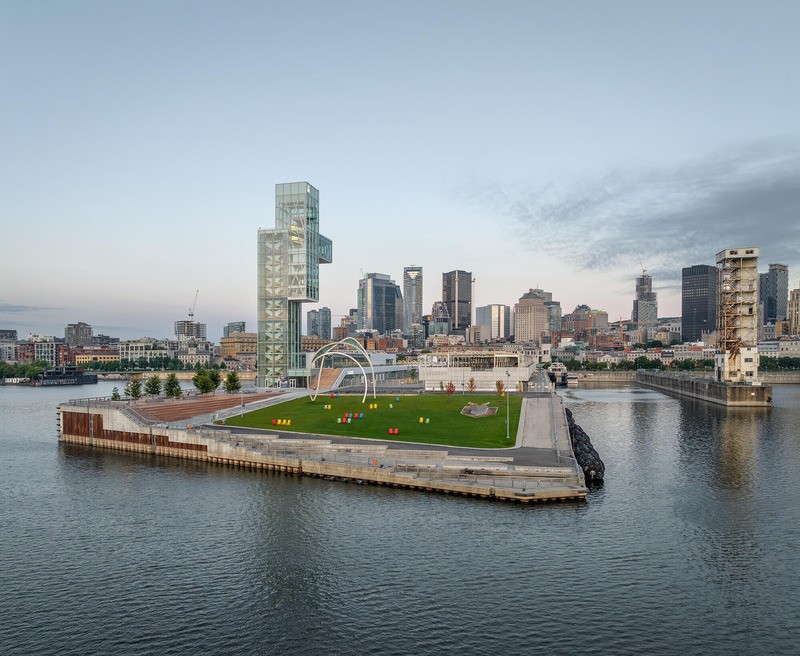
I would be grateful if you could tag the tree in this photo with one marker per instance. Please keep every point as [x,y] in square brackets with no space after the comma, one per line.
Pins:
[202,381]
[172,387]
[153,385]
[232,382]
[115,394]
[450,389]
[500,386]
[134,389]
[471,385]
[441,386]
[215,377]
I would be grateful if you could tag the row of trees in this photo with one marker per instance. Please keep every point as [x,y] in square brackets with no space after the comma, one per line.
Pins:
[776,364]
[154,364]
[8,370]
[204,380]
[642,362]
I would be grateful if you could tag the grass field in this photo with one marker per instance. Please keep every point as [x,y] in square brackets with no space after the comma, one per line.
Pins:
[447,426]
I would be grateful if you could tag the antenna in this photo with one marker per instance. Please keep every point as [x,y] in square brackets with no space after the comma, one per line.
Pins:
[191,309]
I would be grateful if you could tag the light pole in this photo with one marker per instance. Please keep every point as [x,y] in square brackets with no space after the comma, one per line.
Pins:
[508,382]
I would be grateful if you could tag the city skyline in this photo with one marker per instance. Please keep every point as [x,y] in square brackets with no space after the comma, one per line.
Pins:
[665,133]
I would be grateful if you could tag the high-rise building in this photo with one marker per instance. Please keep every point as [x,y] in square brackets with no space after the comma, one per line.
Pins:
[495,321]
[312,322]
[793,312]
[233,327]
[698,301]
[78,334]
[773,292]
[412,295]
[530,318]
[553,310]
[325,323]
[439,321]
[289,256]
[457,296]
[645,305]
[186,330]
[380,304]
[737,315]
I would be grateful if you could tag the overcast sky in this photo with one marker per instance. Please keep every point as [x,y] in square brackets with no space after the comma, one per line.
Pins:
[559,144]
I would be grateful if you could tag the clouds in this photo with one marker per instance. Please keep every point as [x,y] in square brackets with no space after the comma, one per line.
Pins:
[671,217]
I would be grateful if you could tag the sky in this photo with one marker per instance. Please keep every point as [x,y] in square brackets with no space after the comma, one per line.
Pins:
[564,145]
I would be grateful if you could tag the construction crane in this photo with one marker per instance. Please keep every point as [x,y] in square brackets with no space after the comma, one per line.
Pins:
[191,309]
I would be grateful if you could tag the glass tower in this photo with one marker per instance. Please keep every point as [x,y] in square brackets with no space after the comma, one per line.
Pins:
[289,256]
[412,295]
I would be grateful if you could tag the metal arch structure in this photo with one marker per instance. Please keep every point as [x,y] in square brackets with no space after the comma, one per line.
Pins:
[331,349]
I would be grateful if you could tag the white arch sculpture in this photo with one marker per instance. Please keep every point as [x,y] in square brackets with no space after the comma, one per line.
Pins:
[330,349]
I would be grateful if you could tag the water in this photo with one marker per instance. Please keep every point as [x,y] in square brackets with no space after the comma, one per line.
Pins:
[691,547]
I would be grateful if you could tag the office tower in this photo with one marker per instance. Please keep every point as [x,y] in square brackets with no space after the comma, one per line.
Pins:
[325,323]
[78,334]
[439,322]
[793,312]
[412,295]
[737,315]
[380,304]
[773,291]
[530,318]
[289,256]
[495,321]
[233,327]
[457,296]
[645,305]
[312,322]
[553,310]
[698,301]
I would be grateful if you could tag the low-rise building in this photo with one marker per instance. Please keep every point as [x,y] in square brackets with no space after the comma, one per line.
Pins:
[484,368]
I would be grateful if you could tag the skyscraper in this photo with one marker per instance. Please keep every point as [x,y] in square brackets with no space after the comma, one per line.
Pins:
[773,292]
[457,296]
[412,295]
[312,322]
[530,318]
[233,327]
[495,321]
[793,312]
[289,256]
[380,303]
[698,301]
[325,323]
[645,305]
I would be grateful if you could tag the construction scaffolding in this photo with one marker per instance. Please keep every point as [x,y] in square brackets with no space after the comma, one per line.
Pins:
[737,315]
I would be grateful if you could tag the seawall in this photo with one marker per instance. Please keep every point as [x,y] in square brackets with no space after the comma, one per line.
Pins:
[106,425]
[707,389]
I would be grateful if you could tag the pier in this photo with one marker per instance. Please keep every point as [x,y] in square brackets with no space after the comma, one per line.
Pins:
[707,389]
[539,467]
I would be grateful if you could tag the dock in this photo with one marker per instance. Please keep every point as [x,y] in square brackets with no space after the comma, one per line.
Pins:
[539,467]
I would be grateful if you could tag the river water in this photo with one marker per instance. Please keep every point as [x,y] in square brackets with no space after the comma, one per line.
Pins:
[691,547]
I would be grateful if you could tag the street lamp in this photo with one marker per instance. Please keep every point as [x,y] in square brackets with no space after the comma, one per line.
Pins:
[508,382]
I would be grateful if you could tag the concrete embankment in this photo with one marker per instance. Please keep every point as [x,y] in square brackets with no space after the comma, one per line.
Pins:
[707,389]
[108,425]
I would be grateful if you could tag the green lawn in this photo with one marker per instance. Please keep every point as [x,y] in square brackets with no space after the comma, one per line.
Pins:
[446,426]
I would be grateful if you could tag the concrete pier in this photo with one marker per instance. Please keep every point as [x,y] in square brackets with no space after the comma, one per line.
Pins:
[707,389]
[541,468]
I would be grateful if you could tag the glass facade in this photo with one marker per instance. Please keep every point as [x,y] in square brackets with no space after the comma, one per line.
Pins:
[698,302]
[289,256]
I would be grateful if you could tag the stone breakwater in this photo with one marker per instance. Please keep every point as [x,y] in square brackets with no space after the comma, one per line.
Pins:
[588,459]
[106,425]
